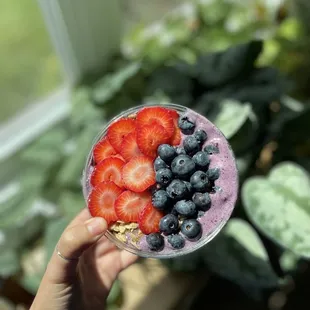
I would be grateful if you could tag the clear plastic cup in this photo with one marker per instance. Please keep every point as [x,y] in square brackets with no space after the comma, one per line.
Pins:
[223,198]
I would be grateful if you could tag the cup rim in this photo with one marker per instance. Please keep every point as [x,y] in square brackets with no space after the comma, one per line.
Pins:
[128,247]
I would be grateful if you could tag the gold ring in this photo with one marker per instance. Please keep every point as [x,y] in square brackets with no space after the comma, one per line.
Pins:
[68,259]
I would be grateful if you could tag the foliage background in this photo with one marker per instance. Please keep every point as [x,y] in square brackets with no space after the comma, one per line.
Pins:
[240,66]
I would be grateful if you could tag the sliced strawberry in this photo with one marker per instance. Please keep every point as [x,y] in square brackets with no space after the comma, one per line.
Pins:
[118,156]
[176,137]
[149,219]
[149,137]
[156,115]
[110,169]
[119,130]
[129,205]
[174,114]
[101,201]
[129,147]
[102,150]
[138,174]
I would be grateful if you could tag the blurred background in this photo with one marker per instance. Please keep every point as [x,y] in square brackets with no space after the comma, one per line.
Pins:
[68,66]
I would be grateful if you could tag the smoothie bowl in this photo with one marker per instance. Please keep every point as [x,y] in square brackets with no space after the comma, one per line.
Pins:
[163,177]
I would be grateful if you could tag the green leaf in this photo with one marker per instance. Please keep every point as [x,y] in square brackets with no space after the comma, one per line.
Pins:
[238,254]
[47,150]
[289,262]
[33,267]
[232,116]
[243,164]
[115,293]
[6,304]
[108,86]
[53,231]
[213,12]
[84,112]
[70,173]
[31,283]
[279,206]
[70,203]
[219,68]
[9,263]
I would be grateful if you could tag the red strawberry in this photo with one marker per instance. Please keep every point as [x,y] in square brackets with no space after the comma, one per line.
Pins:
[129,205]
[176,137]
[138,174]
[118,156]
[119,130]
[174,114]
[101,201]
[129,147]
[149,137]
[156,115]
[110,169]
[102,150]
[149,219]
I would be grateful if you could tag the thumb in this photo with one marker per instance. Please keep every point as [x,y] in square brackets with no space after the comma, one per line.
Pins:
[71,245]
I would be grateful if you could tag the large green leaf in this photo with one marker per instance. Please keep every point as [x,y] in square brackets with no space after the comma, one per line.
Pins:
[53,232]
[219,68]
[84,112]
[33,267]
[6,304]
[232,116]
[289,261]
[9,263]
[70,173]
[279,206]
[47,150]
[115,293]
[70,203]
[22,214]
[108,86]
[238,254]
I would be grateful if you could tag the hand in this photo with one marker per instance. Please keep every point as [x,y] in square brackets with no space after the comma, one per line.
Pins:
[84,279]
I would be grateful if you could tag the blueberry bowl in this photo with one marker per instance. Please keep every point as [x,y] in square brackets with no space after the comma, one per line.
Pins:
[165,179]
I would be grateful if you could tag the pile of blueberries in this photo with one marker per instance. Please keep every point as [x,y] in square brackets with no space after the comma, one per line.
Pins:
[184,182]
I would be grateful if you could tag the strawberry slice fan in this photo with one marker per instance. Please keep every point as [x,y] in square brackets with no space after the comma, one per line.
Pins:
[123,171]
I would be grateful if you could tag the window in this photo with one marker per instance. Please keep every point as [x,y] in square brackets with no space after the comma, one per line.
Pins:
[29,66]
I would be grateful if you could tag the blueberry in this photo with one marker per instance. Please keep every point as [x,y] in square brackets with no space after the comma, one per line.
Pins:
[169,224]
[202,201]
[161,200]
[202,160]
[177,189]
[159,164]
[186,208]
[164,176]
[211,149]
[176,241]
[200,214]
[189,187]
[187,127]
[166,152]
[183,166]
[155,241]
[201,136]
[200,181]
[213,174]
[191,145]
[180,150]
[191,229]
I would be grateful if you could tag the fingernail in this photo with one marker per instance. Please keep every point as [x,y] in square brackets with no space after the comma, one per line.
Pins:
[96,226]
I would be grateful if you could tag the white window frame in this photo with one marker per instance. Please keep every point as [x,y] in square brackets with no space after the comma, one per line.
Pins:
[85,34]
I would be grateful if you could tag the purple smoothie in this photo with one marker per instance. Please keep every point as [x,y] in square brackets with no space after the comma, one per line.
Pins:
[222,200]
